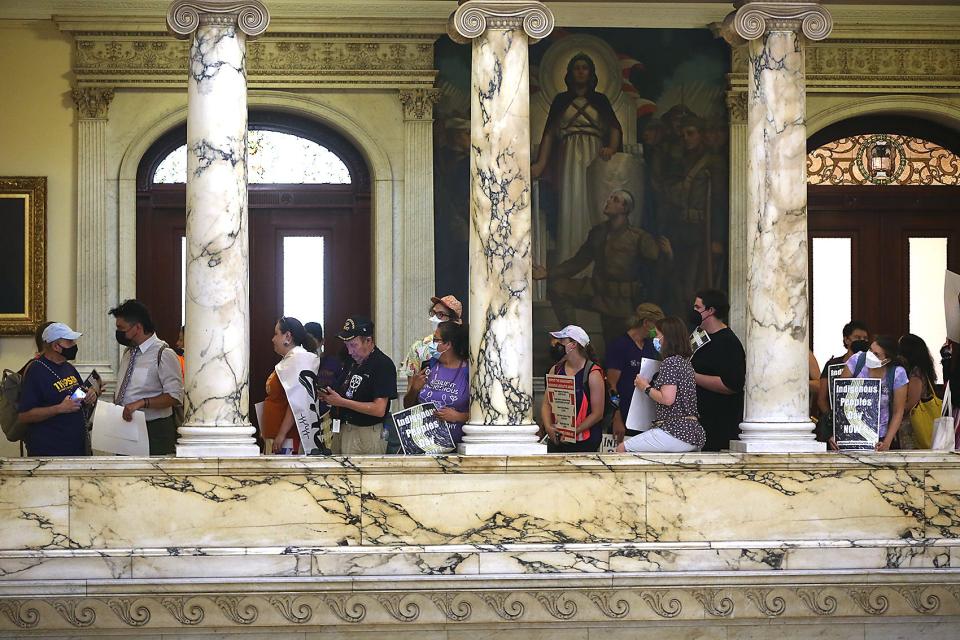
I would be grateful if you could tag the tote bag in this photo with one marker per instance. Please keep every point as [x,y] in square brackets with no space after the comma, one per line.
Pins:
[943,427]
[922,418]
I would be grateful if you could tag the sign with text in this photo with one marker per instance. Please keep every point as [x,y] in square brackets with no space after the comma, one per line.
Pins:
[834,372]
[856,415]
[643,410]
[562,396]
[422,432]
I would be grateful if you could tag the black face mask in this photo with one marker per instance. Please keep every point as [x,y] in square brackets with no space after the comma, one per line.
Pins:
[859,345]
[557,352]
[70,353]
[123,339]
[695,318]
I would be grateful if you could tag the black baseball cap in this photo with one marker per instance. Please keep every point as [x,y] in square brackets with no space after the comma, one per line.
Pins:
[356,326]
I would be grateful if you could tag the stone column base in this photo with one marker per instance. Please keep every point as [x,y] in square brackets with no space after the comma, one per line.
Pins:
[777,437]
[217,442]
[501,440]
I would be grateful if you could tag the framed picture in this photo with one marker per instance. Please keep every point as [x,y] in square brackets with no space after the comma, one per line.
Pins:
[23,254]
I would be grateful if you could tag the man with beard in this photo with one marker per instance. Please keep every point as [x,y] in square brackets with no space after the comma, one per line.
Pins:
[623,259]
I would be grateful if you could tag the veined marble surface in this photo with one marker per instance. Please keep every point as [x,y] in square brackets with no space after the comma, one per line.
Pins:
[217,314]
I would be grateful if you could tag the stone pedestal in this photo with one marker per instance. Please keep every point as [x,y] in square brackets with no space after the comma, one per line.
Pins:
[501,341]
[776,409]
[96,290]
[217,300]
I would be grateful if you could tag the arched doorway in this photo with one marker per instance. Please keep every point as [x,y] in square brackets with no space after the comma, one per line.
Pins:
[884,223]
[309,228]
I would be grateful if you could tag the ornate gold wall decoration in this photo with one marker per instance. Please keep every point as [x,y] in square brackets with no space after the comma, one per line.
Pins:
[913,162]
[23,255]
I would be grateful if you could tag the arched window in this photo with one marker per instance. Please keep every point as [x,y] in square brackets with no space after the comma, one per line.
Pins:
[883,159]
[274,157]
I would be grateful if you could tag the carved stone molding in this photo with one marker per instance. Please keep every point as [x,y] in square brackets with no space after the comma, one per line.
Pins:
[92,102]
[566,605]
[473,17]
[737,106]
[418,103]
[753,20]
[314,60]
[186,16]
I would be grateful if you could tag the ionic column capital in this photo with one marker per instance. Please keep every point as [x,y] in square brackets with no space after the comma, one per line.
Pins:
[92,102]
[753,20]
[418,103]
[185,16]
[474,17]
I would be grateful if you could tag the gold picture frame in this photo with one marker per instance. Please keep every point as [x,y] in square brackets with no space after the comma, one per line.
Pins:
[23,255]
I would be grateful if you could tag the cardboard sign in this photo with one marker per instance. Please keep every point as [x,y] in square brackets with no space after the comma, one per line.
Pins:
[643,409]
[856,415]
[698,339]
[562,396]
[834,372]
[422,432]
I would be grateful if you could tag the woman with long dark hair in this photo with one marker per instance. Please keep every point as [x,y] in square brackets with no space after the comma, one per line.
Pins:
[289,339]
[883,361]
[444,380]
[922,375]
[581,126]
[676,426]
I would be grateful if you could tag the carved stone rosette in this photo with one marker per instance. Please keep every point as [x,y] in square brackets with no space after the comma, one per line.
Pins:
[752,20]
[92,102]
[185,16]
[418,103]
[473,17]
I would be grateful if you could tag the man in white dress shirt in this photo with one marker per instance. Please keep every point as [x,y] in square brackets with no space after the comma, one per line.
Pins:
[149,378]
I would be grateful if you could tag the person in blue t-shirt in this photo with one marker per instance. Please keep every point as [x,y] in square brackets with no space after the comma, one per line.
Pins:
[623,360]
[51,396]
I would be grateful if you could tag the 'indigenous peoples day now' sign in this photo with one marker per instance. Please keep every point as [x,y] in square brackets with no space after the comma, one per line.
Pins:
[856,413]
[422,432]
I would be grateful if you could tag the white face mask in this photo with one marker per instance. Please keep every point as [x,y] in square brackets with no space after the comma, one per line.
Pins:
[872,361]
[435,321]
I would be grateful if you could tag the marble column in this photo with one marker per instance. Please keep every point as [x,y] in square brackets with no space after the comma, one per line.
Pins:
[776,410]
[96,289]
[217,300]
[501,341]
[417,227]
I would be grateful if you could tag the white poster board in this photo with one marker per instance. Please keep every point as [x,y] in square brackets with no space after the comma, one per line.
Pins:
[643,410]
[112,434]
[562,397]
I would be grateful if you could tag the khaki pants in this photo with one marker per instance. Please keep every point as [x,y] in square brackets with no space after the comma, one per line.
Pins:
[362,441]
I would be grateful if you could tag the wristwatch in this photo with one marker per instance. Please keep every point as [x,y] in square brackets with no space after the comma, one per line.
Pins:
[647,390]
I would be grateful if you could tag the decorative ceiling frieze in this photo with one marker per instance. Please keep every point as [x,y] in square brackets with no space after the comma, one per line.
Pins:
[316,61]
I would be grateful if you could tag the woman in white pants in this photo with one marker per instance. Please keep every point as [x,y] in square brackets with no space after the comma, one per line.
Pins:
[676,427]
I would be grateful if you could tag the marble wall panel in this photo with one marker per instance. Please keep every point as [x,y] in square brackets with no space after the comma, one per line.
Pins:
[785,505]
[626,560]
[90,567]
[34,513]
[240,566]
[171,511]
[942,503]
[503,508]
[395,564]
[541,562]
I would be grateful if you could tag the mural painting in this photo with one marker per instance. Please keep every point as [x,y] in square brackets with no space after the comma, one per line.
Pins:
[630,161]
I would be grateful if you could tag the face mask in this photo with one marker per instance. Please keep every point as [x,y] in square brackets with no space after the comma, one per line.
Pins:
[859,345]
[69,353]
[557,352]
[434,352]
[435,321]
[695,317]
[123,339]
[656,344]
[872,361]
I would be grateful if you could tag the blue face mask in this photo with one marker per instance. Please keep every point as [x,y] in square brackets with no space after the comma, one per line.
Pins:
[656,344]
[434,352]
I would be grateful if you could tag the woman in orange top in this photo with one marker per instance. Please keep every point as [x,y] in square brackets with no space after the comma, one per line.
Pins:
[278,425]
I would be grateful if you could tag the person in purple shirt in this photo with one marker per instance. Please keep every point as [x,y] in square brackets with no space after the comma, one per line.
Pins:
[623,360]
[445,379]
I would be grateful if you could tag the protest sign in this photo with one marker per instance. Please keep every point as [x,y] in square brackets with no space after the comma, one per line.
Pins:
[834,372]
[856,416]
[643,409]
[422,432]
[112,434]
[562,397]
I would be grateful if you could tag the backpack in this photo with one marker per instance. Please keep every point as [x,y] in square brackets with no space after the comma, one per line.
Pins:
[13,429]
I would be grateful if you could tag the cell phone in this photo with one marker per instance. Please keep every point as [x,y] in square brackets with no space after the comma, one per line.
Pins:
[79,394]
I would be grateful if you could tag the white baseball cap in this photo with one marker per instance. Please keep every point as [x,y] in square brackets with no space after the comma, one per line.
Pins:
[573,332]
[58,330]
